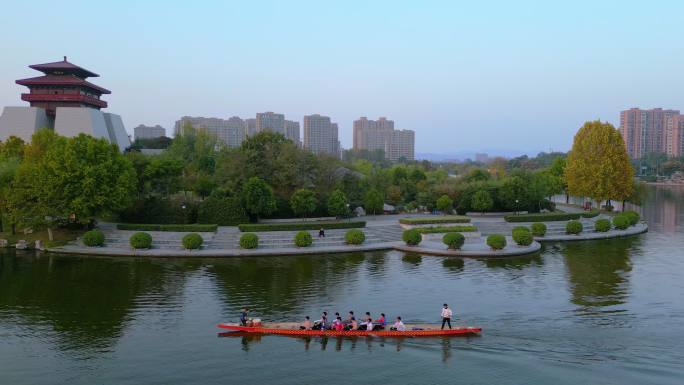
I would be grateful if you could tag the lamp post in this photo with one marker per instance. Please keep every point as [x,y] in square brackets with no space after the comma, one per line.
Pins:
[516,206]
[349,214]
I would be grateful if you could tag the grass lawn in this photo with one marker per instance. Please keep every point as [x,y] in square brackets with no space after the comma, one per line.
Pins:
[61,236]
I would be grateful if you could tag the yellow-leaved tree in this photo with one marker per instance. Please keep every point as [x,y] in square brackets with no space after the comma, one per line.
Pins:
[598,165]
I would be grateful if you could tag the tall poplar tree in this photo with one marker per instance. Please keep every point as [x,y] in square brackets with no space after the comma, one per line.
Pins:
[598,165]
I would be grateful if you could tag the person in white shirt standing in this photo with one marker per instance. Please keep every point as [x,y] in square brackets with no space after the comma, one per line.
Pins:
[446,316]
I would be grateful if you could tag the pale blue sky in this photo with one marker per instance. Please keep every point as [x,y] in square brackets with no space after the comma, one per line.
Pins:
[464,75]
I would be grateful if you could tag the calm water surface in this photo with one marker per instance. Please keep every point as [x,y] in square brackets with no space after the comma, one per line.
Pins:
[607,312]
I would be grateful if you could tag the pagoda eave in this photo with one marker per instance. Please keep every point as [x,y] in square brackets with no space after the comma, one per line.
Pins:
[63,98]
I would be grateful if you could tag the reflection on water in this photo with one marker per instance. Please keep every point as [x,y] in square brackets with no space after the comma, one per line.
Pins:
[664,209]
[119,320]
[598,272]
[342,343]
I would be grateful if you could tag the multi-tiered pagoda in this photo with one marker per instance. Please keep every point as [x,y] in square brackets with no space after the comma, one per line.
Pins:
[63,85]
[64,101]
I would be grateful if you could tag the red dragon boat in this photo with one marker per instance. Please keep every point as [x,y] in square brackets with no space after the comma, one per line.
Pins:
[292,329]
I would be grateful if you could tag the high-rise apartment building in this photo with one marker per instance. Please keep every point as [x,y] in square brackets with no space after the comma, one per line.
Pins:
[674,135]
[270,121]
[231,131]
[402,145]
[250,127]
[644,131]
[381,135]
[292,132]
[321,135]
[148,132]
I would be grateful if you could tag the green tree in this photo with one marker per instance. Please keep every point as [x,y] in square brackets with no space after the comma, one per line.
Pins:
[394,194]
[481,201]
[445,204]
[13,147]
[303,202]
[338,205]
[598,165]
[477,175]
[373,201]
[513,193]
[81,178]
[258,197]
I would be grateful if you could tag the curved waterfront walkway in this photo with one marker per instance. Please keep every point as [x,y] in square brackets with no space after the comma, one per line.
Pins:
[382,233]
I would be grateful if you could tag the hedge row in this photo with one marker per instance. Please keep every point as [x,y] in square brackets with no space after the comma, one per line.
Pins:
[435,220]
[446,229]
[256,227]
[551,217]
[153,227]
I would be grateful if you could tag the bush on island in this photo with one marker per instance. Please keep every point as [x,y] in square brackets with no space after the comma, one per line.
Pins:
[538,229]
[303,239]
[93,238]
[192,241]
[574,227]
[140,241]
[621,222]
[412,237]
[522,236]
[354,237]
[632,216]
[496,241]
[602,225]
[249,241]
[453,240]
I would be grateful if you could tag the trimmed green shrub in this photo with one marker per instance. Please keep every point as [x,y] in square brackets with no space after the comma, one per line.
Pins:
[633,217]
[446,229]
[354,237]
[602,225]
[435,220]
[522,236]
[621,222]
[93,238]
[574,227]
[155,227]
[453,240]
[294,226]
[609,208]
[249,241]
[140,241]
[192,241]
[223,211]
[496,241]
[303,239]
[412,237]
[550,217]
[538,229]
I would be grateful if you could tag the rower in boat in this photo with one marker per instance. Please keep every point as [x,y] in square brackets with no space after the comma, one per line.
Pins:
[337,324]
[380,322]
[243,316]
[306,325]
[398,325]
[350,316]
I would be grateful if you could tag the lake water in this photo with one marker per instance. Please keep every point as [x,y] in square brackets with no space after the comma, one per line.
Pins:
[602,312]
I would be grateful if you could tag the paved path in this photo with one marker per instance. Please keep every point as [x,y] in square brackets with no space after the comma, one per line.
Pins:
[382,233]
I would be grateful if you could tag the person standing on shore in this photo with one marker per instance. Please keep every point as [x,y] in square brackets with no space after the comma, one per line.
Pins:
[446,316]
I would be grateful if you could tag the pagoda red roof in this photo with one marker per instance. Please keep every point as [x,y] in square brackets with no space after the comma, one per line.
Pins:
[62,80]
[64,66]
